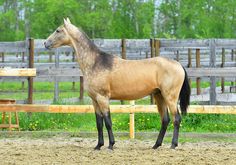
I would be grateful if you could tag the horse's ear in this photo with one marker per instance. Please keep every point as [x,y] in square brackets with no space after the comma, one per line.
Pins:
[68,20]
[65,22]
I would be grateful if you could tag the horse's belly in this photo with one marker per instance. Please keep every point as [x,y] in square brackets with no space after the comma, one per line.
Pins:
[131,91]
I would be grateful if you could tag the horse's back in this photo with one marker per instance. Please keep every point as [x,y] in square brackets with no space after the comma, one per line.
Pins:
[133,79]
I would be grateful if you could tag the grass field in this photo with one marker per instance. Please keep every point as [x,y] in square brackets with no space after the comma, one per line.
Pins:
[86,122]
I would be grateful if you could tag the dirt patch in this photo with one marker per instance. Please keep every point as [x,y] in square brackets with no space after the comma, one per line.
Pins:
[61,150]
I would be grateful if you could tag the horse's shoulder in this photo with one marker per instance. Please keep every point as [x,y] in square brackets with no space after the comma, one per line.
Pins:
[104,60]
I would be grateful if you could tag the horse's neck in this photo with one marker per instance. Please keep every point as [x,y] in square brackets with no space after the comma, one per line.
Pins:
[86,52]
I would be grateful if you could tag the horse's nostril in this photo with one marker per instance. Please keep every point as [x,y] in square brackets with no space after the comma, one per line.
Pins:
[46,44]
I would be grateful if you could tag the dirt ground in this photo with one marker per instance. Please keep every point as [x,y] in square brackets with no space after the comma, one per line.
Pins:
[77,150]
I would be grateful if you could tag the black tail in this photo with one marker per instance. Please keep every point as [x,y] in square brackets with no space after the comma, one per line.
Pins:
[184,95]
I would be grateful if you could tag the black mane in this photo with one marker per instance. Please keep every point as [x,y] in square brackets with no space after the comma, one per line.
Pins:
[103,61]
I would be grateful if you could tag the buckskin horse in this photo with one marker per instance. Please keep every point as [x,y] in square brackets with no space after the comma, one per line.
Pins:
[110,77]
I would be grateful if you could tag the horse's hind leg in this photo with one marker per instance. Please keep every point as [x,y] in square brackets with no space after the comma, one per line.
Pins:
[165,119]
[176,121]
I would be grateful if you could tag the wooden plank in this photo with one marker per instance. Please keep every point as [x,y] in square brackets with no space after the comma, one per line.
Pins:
[70,65]
[59,72]
[185,43]
[225,43]
[42,79]
[211,109]
[206,72]
[7,101]
[40,65]
[13,47]
[23,108]
[9,126]
[204,109]
[8,72]
[70,74]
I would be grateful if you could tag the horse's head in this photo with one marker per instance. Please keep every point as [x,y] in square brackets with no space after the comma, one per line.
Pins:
[59,37]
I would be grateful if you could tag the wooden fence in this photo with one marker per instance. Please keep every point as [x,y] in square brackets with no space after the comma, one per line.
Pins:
[131,109]
[206,59]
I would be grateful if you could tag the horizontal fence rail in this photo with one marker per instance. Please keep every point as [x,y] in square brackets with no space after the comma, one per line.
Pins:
[8,72]
[200,109]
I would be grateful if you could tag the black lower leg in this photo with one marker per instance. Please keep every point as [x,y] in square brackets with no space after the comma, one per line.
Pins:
[165,122]
[176,131]
[108,123]
[99,121]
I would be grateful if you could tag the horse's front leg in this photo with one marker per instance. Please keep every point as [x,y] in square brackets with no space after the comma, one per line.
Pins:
[103,103]
[99,122]
[108,123]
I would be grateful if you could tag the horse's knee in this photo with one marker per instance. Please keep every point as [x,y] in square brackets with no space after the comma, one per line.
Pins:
[107,119]
[99,121]
[166,120]
[177,120]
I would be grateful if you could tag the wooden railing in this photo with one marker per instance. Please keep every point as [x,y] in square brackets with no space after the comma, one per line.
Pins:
[130,109]
[204,58]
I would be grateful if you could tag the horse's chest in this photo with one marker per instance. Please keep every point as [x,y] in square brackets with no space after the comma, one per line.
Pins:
[96,86]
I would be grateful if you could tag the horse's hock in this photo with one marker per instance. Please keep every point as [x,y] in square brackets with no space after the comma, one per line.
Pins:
[9,124]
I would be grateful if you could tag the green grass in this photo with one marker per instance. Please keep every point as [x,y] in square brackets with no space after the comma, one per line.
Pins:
[143,122]
[86,122]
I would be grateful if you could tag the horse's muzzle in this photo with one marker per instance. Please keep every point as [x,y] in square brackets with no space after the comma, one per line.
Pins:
[48,44]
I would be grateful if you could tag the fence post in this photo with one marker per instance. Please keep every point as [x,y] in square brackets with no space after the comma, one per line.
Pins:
[232,59]
[212,64]
[189,63]
[23,56]
[56,84]
[81,91]
[50,56]
[177,55]
[2,54]
[198,65]
[73,83]
[157,47]
[123,56]
[152,45]
[31,65]
[123,48]
[73,60]
[222,65]
[131,122]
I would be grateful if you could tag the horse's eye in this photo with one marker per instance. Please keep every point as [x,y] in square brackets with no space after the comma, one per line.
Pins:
[57,31]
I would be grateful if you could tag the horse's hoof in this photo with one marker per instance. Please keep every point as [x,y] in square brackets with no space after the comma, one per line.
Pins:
[110,147]
[156,146]
[173,146]
[98,147]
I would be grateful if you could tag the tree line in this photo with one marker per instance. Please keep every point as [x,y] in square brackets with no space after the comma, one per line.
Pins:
[20,19]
